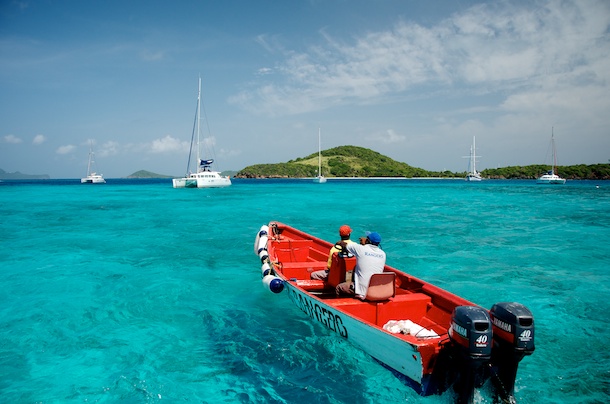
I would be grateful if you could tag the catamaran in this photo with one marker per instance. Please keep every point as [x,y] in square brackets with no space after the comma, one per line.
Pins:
[204,176]
[551,176]
[92,177]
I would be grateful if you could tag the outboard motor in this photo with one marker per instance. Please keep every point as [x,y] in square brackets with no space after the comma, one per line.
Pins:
[513,338]
[471,334]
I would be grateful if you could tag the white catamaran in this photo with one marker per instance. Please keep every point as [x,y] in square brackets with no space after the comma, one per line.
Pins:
[204,176]
[92,177]
[320,179]
[551,176]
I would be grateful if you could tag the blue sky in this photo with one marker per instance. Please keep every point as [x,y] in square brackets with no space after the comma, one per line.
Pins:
[414,80]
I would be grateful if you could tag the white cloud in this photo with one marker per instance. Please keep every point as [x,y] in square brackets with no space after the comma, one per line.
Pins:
[152,56]
[110,148]
[12,139]
[390,136]
[39,139]
[263,71]
[496,47]
[65,149]
[168,144]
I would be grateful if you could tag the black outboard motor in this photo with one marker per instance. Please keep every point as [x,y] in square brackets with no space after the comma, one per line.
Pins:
[471,333]
[513,338]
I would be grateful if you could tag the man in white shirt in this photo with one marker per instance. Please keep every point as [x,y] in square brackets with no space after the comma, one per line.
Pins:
[370,260]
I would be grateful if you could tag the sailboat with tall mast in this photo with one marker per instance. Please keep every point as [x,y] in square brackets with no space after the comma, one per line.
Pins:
[551,176]
[319,179]
[92,177]
[204,176]
[473,174]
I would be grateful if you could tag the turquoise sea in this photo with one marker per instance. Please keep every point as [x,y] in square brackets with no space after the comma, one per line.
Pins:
[136,292]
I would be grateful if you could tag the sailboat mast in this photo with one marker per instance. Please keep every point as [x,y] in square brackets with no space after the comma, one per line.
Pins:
[90,158]
[198,124]
[553,168]
[474,156]
[319,154]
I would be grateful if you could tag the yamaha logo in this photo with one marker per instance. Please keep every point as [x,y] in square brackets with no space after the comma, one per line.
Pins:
[502,325]
[459,329]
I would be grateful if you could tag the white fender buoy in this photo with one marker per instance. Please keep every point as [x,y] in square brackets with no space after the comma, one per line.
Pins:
[264,231]
[273,283]
[263,255]
[262,243]
[266,269]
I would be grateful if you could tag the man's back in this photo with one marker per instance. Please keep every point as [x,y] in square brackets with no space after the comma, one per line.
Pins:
[370,260]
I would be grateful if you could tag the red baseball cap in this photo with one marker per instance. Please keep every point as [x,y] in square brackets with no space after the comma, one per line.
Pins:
[345,230]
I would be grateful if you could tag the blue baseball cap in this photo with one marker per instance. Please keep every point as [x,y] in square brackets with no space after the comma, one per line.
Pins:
[374,237]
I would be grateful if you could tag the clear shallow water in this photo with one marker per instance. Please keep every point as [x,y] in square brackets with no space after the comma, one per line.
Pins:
[137,292]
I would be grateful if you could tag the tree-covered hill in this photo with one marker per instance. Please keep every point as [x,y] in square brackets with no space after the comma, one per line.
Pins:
[576,172]
[342,161]
[354,161]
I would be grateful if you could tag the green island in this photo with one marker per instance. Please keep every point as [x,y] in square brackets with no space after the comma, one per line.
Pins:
[147,174]
[19,176]
[354,161]
[360,162]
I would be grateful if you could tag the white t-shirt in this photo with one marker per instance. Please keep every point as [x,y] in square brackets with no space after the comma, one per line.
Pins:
[370,260]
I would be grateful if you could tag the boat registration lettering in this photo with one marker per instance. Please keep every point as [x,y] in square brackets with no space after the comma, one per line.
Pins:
[331,321]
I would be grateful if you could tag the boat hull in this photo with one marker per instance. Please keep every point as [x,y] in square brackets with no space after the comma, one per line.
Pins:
[551,179]
[93,179]
[208,179]
[393,352]
[420,332]
[319,180]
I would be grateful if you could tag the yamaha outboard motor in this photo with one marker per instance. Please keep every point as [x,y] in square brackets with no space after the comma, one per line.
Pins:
[513,331]
[471,333]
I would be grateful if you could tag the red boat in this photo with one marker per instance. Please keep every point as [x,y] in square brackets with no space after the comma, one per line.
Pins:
[432,339]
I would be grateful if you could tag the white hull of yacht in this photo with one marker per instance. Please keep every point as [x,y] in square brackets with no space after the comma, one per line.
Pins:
[93,179]
[206,179]
[552,179]
[474,177]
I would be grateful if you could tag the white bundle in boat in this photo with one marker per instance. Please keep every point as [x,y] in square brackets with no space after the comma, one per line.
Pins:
[408,327]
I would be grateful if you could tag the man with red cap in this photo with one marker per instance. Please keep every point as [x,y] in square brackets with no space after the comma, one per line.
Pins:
[344,232]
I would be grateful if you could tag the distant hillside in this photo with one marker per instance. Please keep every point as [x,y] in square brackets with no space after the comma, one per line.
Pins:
[19,176]
[342,161]
[147,174]
[230,173]
[576,172]
[353,161]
